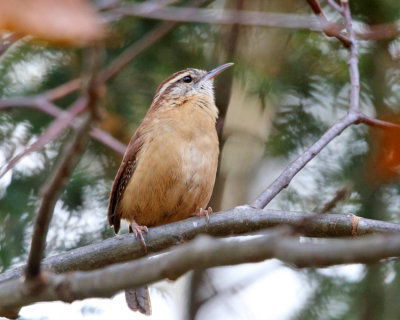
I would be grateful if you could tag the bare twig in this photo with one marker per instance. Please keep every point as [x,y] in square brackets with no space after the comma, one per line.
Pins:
[378,123]
[330,29]
[148,40]
[42,101]
[340,194]
[335,6]
[40,104]
[194,15]
[353,59]
[204,252]
[380,31]
[288,174]
[131,52]
[62,90]
[235,221]
[50,193]
[316,7]
[108,140]
[354,116]
[58,126]
[261,19]
[8,40]
[70,157]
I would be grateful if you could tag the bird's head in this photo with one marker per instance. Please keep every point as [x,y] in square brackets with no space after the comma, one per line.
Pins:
[185,84]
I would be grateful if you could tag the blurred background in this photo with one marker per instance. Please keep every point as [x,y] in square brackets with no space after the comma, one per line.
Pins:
[286,88]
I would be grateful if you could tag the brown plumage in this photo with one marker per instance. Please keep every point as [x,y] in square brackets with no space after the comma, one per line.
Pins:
[168,170]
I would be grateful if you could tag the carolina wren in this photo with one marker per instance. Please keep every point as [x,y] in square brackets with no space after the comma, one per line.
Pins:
[169,168]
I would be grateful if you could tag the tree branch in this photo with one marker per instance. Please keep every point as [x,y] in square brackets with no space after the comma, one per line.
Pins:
[204,252]
[330,29]
[335,6]
[8,40]
[377,123]
[354,116]
[261,19]
[353,59]
[56,128]
[41,103]
[288,174]
[213,16]
[51,192]
[135,49]
[55,184]
[340,194]
[239,220]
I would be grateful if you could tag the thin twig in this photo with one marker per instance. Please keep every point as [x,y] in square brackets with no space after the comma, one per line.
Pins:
[135,49]
[57,127]
[8,40]
[51,109]
[353,117]
[339,195]
[146,41]
[70,157]
[108,140]
[62,90]
[335,6]
[288,174]
[380,31]
[353,59]
[316,7]
[330,29]
[213,16]
[378,123]
[51,192]
[261,19]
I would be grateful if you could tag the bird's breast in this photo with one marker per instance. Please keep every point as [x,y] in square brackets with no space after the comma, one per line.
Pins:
[175,171]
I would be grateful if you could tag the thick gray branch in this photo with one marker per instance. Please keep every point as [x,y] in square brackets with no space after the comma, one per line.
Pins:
[239,220]
[204,252]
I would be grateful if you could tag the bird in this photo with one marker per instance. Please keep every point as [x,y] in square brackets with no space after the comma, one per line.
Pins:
[169,168]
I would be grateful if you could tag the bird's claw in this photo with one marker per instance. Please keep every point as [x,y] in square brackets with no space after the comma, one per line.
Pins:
[205,213]
[138,232]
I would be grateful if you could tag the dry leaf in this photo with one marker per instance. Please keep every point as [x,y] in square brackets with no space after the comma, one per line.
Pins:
[384,165]
[69,22]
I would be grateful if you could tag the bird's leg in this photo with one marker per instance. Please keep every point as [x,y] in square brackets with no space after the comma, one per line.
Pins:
[138,231]
[205,213]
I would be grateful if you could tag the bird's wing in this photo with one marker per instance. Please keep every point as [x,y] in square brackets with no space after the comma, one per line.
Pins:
[125,172]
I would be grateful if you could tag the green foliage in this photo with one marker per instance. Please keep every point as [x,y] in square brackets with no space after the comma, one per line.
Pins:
[294,129]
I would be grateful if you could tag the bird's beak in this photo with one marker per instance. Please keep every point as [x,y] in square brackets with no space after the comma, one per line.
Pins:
[214,72]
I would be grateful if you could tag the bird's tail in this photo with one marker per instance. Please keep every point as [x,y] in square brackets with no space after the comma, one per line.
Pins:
[138,299]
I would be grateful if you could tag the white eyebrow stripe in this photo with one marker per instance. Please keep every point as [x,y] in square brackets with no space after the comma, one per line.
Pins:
[168,83]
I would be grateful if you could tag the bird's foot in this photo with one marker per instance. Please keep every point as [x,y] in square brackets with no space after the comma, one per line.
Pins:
[138,231]
[205,213]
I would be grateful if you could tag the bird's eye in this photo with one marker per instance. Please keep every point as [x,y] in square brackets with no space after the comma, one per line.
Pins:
[187,79]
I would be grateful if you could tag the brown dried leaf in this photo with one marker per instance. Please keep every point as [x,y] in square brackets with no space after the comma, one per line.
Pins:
[68,22]
[384,165]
